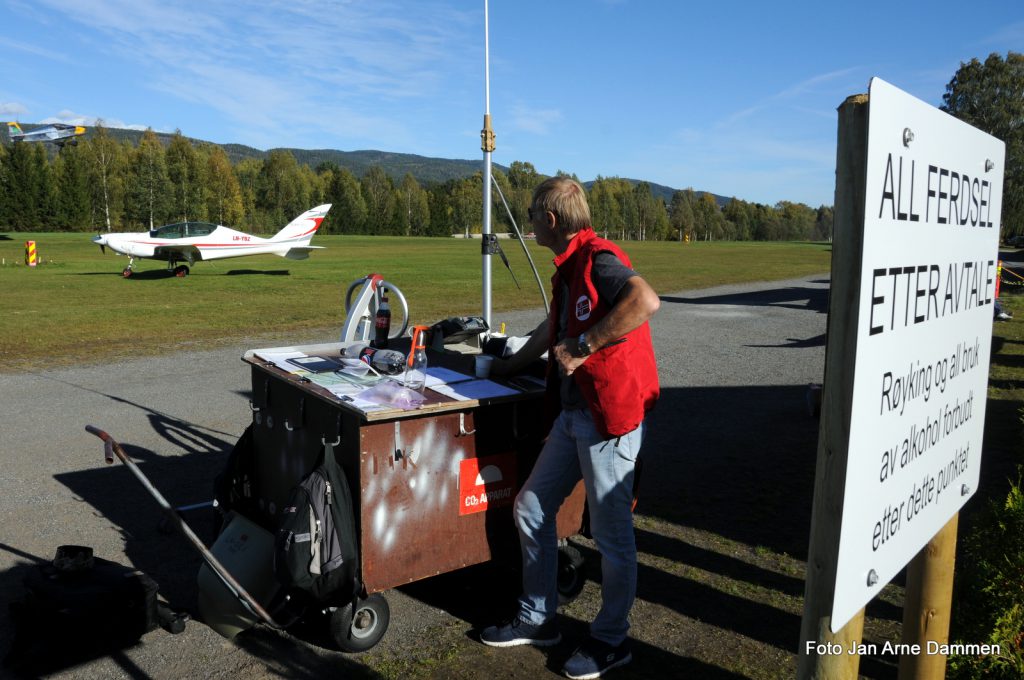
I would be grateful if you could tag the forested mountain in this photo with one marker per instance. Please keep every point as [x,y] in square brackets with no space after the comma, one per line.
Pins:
[425,169]
[665,193]
[116,180]
[395,165]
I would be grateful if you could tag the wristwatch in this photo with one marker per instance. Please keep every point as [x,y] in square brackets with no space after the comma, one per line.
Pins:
[583,347]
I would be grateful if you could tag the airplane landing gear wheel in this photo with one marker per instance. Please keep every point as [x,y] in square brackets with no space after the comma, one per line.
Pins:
[181,271]
[127,272]
[360,627]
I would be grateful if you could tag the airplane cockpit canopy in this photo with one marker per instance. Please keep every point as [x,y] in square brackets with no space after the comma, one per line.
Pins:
[183,230]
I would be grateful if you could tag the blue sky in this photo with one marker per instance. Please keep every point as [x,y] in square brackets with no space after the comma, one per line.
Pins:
[737,98]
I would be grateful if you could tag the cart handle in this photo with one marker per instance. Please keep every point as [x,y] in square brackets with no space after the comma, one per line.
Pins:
[112,448]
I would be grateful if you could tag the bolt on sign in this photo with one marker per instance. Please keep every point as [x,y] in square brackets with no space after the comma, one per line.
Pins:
[925,312]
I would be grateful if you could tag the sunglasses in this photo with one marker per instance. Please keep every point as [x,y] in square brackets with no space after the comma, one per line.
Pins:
[531,213]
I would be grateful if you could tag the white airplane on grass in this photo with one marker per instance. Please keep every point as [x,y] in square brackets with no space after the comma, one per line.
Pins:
[194,241]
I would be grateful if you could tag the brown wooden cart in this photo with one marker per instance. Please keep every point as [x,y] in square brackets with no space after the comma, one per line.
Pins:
[432,488]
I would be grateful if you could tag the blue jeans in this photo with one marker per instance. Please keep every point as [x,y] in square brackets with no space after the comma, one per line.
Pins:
[575,450]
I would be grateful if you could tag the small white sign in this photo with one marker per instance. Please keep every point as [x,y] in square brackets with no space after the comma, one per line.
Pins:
[928,280]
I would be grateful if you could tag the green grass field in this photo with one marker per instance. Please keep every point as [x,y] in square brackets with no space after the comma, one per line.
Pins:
[76,307]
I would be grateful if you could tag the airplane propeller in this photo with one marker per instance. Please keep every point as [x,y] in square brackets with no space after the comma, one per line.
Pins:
[98,240]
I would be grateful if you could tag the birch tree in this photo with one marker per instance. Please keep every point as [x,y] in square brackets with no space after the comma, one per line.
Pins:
[149,188]
[107,175]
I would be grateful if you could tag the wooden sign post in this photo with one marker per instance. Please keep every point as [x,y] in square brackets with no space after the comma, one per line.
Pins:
[927,606]
[823,655]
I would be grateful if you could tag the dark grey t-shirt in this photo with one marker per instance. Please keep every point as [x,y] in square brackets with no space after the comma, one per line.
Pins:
[609,275]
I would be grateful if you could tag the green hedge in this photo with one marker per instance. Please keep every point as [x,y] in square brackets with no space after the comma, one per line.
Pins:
[990,593]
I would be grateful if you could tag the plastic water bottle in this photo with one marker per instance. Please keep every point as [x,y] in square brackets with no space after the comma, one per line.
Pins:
[386,361]
[416,363]
[382,322]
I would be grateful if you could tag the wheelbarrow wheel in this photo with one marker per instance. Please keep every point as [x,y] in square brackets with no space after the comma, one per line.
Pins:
[571,576]
[358,627]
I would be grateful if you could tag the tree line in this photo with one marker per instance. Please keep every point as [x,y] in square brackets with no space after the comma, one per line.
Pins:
[101,184]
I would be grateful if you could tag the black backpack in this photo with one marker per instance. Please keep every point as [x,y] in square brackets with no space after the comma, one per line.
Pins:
[315,548]
[233,487]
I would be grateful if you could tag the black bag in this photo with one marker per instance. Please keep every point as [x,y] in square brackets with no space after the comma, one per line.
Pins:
[80,607]
[315,548]
[457,329]
[232,488]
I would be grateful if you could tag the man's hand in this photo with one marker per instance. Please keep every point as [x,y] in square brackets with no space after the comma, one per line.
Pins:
[567,356]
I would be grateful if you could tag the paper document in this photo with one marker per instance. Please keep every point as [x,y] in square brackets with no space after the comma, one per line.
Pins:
[435,376]
[474,389]
[280,359]
[365,405]
[328,380]
[346,388]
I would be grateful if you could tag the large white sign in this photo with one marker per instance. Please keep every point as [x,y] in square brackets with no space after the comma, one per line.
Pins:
[928,280]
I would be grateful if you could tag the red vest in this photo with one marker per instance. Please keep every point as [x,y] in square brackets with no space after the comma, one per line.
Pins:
[619,382]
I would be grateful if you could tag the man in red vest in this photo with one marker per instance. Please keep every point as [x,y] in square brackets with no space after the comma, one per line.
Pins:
[601,366]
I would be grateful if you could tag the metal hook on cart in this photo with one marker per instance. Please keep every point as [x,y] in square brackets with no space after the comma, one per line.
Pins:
[300,419]
[462,426]
[337,440]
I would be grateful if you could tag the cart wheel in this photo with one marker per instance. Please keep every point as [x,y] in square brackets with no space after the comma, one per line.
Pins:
[357,628]
[571,577]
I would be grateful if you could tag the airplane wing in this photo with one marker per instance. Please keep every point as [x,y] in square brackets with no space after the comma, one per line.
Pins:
[182,253]
[301,252]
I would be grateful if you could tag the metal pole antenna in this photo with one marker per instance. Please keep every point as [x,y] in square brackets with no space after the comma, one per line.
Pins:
[487,145]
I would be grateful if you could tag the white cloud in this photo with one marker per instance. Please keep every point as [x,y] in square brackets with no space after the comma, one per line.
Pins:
[533,120]
[809,88]
[292,70]
[72,118]
[811,84]
[1010,34]
[12,109]
[34,50]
